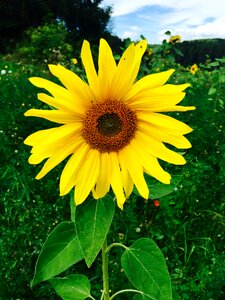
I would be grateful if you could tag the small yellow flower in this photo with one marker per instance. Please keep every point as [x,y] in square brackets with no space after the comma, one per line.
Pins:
[112,127]
[74,60]
[193,69]
[149,51]
[175,39]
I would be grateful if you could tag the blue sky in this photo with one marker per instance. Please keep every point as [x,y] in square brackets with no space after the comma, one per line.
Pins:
[192,19]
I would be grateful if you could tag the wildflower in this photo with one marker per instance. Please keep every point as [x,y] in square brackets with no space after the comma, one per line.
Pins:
[156,203]
[193,69]
[74,60]
[112,127]
[149,51]
[175,39]
[3,72]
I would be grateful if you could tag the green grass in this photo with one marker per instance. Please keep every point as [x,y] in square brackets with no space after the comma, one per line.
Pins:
[189,225]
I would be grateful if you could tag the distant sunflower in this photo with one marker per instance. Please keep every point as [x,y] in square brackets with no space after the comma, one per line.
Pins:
[193,69]
[175,39]
[111,128]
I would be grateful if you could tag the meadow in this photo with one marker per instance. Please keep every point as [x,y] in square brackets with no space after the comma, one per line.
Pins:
[188,224]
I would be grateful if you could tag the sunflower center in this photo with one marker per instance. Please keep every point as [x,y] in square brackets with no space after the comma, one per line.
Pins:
[109,126]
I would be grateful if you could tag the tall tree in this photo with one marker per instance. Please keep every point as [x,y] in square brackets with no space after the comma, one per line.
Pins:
[84,18]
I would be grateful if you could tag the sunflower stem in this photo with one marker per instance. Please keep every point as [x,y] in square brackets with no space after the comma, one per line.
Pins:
[105,271]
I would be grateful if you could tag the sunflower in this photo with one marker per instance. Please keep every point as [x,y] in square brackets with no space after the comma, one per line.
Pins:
[112,129]
[175,39]
[193,69]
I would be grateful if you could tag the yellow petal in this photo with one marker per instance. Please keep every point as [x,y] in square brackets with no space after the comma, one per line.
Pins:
[52,135]
[87,176]
[128,184]
[43,149]
[149,82]
[157,149]
[165,123]
[127,69]
[56,116]
[61,104]
[155,103]
[177,108]
[57,157]
[122,82]
[88,63]
[53,88]
[178,141]
[150,163]
[169,89]
[106,69]
[69,173]
[104,178]
[116,180]
[74,83]
[140,49]
[135,169]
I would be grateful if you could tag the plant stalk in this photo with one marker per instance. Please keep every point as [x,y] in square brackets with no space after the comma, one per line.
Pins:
[105,271]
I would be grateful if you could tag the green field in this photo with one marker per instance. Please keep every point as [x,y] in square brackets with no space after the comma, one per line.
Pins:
[189,224]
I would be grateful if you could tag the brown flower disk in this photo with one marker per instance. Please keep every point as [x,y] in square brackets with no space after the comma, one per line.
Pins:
[109,126]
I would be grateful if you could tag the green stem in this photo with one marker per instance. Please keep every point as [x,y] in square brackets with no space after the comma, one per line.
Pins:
[125,291]
[116,245]
[105,271]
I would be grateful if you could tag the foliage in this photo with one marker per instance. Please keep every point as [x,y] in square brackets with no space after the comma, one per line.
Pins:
[46,44]
[198,51]
[82,18]
[188,225]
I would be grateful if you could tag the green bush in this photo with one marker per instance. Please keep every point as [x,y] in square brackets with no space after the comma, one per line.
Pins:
[46,44]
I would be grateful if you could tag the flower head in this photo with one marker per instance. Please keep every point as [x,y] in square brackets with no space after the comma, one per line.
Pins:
[74,61]
[175,39]
[156,203]
[193,69]
[111,128]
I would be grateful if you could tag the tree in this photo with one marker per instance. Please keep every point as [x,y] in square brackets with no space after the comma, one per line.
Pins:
[83,18]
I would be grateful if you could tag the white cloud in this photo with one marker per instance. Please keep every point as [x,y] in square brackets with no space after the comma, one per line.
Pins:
[215,29]
[123,7]
[133,33]
[200,8]
[191,18]
[211,29]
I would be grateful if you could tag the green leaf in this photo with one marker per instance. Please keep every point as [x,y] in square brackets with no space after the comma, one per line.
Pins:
[93,219]
[145,267]
[168,32]
[214,64]
[146,297]
[157,189]
[72,287]
[212,91]
[160,190]
[222,78]
[142,297]
[60,251]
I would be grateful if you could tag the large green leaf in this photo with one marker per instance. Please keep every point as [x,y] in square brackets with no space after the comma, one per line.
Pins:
[142,297]
[60,251]
[146,297]
[157,189]
[72,287]
[145,267]
[93,220]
